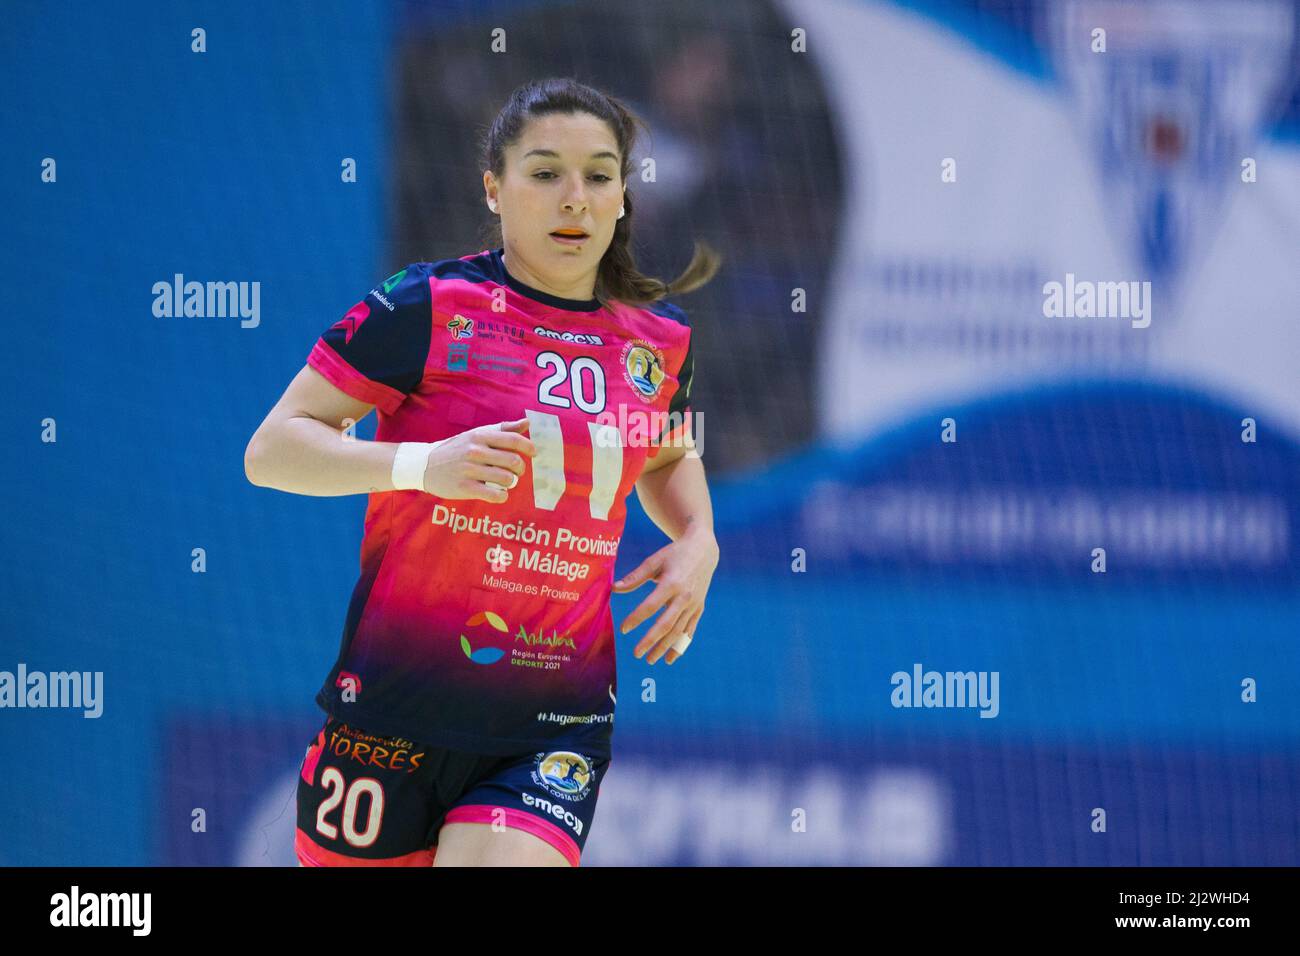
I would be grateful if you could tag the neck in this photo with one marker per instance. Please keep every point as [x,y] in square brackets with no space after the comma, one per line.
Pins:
[580,289]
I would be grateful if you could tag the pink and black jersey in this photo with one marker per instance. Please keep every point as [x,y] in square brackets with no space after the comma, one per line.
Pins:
[481,626]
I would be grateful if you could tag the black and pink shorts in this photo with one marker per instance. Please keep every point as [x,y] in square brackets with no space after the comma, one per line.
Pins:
[367,800]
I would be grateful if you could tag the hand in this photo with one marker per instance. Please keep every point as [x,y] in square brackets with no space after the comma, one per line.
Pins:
[683,570]
[482,463]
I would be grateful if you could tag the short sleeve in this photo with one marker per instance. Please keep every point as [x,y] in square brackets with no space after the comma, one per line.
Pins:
[378,350]
[681,400]
[678,423]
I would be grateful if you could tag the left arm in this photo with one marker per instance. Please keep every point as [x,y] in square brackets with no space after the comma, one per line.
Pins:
[675,494]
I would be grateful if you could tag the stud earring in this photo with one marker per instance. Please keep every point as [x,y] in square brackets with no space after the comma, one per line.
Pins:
[621,212]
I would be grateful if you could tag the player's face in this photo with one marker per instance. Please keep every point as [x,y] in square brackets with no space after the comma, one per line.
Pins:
[563,173]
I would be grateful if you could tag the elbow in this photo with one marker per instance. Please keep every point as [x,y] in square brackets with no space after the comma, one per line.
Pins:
[250,460]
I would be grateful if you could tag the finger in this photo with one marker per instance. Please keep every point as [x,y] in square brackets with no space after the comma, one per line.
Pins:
[663,626]
[483,491]
[689,630]
[499,457]
[491,474]
[653,602]
[507,435]
[649,568]
[666,630]
[631,582]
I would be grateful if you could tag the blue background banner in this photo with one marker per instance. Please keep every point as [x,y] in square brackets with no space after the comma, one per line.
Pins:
[849,554]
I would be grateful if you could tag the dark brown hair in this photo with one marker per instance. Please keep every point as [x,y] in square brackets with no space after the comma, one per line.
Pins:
[618,277]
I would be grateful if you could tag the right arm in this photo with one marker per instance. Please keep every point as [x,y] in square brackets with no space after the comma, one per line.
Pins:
[301,448]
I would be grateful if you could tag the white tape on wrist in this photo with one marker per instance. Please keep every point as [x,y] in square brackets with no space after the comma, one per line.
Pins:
[409,464]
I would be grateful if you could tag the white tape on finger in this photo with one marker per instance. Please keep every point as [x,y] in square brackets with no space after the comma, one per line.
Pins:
[682,643]
[514,480]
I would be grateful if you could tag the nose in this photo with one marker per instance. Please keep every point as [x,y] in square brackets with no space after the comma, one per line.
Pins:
[576,200]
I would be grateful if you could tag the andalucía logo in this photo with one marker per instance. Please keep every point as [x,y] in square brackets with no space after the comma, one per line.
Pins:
[391,282]
[484,655]
[537,637]
[563,773]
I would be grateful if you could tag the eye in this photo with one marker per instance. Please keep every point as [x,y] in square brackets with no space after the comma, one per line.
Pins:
[546,175]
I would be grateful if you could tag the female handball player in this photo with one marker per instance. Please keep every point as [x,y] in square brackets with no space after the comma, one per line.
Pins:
[522,392]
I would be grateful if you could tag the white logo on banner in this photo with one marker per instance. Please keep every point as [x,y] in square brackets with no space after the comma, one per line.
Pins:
[936,295]
[1169,110]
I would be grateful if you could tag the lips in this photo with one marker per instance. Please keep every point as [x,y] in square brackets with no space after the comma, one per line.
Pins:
[569,233]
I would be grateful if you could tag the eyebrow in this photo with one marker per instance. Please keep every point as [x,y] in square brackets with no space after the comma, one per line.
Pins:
[604,154]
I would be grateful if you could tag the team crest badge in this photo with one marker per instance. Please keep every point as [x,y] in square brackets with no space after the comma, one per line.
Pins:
[563,773]
[643,368]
